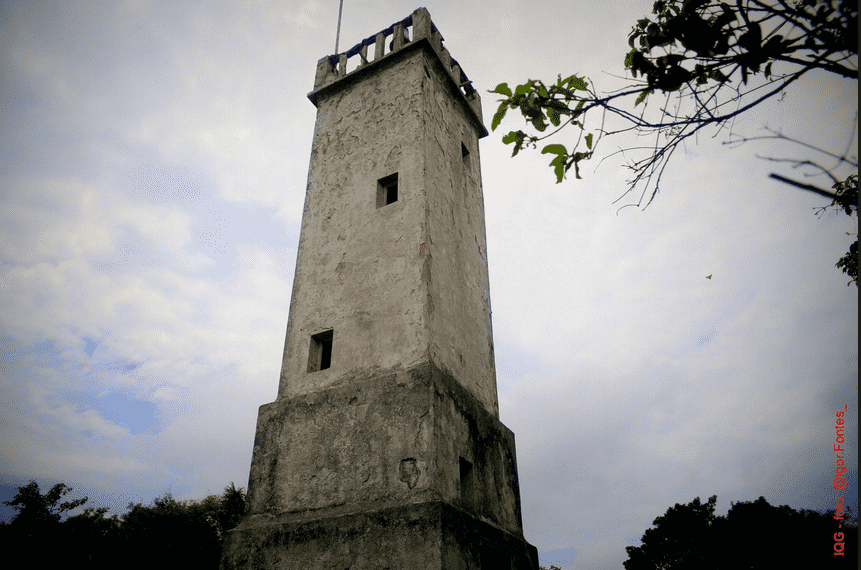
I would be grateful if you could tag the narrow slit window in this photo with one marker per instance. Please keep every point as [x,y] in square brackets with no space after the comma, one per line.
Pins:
[467,492]
[387,190]
[464,154]
[320,351]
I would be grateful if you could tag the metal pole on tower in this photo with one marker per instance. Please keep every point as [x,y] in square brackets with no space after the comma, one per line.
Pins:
[338,33]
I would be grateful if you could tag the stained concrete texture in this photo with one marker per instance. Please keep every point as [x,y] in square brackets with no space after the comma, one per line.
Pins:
[406,282]
[404,437]
[384,447]
[428,536]
[400,467]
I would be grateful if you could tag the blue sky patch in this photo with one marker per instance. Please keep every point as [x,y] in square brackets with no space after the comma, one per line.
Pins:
[138,416]
[558,556]
[90,346]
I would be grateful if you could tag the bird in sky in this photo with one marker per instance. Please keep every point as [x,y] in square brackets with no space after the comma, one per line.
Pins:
[709,276]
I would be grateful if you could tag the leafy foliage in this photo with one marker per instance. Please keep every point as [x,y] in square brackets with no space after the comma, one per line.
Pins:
[714,40]
[166,533]
[560,105]
[37,524]
[705,52]
[672,538]
[232,506]
[185,532]
[39,510]
[753,534]
[847,199]
[91,539]
[701,56]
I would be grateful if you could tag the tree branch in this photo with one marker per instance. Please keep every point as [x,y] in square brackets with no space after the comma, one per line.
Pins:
[808,187]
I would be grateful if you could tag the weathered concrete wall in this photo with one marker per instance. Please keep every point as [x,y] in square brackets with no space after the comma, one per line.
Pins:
[405,283]
[357,444]
[393,439]
[461,336]
[393,539]
[431,536]
[391,454]
[359,267]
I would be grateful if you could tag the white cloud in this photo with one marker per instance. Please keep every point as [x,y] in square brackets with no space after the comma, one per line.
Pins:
[151,204]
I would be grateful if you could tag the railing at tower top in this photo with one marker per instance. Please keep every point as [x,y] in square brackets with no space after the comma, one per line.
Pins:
[414,27]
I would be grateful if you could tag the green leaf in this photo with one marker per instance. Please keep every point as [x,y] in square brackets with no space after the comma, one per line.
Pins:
[558,106]
[557,149]
[511,137]
[558,165]
[530,111]
[523,89]
[629,57]
[502,89]
[553,115]
[497,117]
[589,141]
[579,83]
[515,137]
[642,97]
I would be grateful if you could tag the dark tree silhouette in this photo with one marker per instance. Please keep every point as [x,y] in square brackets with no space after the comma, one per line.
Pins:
[753,534]
[164,534]
[189,533]
[232,506]
[38,510]
[678,539]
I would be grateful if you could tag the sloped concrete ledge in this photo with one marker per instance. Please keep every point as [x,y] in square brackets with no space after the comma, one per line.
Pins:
[429,536]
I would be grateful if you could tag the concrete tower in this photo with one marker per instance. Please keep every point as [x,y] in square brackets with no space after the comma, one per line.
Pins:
[384,448]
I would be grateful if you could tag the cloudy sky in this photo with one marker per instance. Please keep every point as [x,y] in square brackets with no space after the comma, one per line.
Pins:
[153,161]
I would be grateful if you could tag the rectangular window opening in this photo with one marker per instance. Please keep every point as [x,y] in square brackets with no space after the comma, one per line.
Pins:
[467,492]
[387,190]
[495,556]
[320,351]
[464,155]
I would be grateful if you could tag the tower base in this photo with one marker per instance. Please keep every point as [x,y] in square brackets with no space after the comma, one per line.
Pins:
[427,536]
[400,470]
